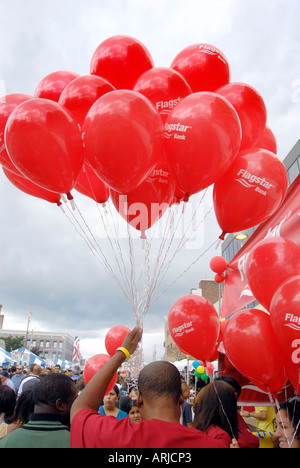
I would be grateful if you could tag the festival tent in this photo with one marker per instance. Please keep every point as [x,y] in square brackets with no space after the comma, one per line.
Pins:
[5,357]
[63,363]
[25,356]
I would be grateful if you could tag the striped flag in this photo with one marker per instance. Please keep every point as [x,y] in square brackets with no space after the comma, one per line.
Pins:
[76,355]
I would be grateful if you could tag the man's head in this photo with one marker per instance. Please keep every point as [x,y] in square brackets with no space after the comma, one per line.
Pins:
[185,390]
[19,369]
[159,382]
[35,369]
[76,370]
[55,393]
[3,377]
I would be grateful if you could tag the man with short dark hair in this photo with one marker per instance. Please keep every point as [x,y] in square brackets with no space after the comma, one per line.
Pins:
[49,425]
[159,401]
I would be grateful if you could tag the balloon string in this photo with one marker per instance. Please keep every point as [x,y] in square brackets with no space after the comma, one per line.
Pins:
[114,236]
[184,239]
[185,271]
[97,253]
[111,234]
[138,291]
[180,247]
[164,267]
[152,281]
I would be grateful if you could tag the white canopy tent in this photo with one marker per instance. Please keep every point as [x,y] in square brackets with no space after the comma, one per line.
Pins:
[5,357]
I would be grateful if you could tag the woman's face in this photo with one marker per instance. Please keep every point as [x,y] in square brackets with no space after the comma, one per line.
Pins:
[110,400]
[133,394]
[285,431]
[134,415]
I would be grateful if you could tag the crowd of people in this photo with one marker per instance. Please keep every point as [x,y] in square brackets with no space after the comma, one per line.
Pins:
[55,409]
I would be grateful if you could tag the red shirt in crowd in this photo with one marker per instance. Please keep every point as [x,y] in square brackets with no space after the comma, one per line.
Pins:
[89,429]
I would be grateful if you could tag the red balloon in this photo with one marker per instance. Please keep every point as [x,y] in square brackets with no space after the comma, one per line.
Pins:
[250,191]
[250,331]
[145,205]
[250,108]
[44,142]
[30,188]
[194,326]
[223,326]
[267,141]
[89,184]
[202,139]
[214,356]
[285,317]
[115,337]
[121,60]
[94,365]
[7,104]
[123,139]
[179,195]
[203,66]
[269,264]
[218,264]
[293,371]
[219,278]
[52,85]
[164,87]
[79,95]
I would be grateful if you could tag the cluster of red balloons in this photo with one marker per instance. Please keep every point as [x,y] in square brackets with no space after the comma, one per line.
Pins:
[113,340]
[147,136]
[272,336]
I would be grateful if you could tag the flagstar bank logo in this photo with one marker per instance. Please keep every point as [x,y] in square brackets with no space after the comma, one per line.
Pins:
[186,327]
[248,180]
[177,131]
[292,321]
[210,50]
[165,107]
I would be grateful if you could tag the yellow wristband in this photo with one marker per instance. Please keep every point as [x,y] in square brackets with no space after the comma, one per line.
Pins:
[125,351]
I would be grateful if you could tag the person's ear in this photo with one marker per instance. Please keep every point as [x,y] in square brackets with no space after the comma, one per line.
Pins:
[139,400]
[181,399]
[60,406]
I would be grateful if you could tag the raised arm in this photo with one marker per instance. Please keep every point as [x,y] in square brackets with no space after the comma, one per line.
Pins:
[92,395]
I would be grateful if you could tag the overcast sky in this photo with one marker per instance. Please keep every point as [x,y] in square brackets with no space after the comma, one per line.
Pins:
[45,266]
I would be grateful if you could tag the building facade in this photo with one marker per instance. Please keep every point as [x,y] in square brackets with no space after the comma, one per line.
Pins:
[50,345]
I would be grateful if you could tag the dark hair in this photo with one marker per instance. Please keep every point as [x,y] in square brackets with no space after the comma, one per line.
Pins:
[231,381]
[160,378]
[130,404]
[51,388]
[24,407]
[217,406]
[292,409]
[7,402]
